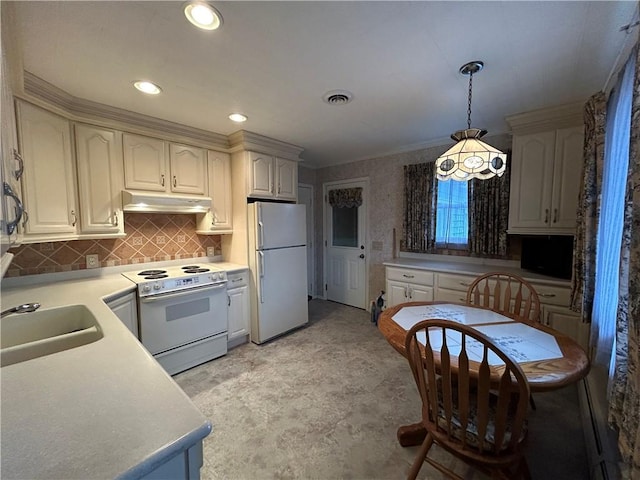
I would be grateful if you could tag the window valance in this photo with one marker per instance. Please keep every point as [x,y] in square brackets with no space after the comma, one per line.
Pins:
[345,197]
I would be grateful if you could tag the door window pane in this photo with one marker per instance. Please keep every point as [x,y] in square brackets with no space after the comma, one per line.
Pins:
[345,227]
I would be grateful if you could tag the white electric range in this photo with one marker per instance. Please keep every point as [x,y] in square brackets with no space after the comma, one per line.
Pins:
[182,312]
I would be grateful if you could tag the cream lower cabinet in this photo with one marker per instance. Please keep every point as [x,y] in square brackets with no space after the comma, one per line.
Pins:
[126,309]
[100,180]
[48,182]
[406,285]
[239,313]
[219,219]
[452,287]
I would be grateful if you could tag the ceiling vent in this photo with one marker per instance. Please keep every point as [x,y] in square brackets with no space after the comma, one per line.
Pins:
[338,97]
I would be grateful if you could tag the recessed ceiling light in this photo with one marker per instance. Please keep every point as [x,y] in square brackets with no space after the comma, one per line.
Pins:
[202,15]
[238,117]
[147,87]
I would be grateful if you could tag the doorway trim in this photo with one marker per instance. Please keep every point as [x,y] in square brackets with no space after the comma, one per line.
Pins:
[314,289]
[325,229]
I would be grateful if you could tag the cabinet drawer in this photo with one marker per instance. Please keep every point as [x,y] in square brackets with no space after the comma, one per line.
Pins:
[455,282]
[551,295]
[420,277]
[451,296]
[237,279]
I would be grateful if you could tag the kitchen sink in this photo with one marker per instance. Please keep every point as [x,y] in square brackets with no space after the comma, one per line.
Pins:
[30,335]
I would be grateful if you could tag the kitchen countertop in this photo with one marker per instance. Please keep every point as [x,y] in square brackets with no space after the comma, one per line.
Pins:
[102,410]
[472,268]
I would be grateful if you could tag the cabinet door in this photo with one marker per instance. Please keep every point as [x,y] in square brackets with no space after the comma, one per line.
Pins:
[287,176]
[531,181]
[11,165]
[260,175]
[49,179]
[100,179]
[568,322]
[188,169]
[420,293]
[397,292]
[220,190]
[566,176]
[238,312]
[126,310]
[145,163]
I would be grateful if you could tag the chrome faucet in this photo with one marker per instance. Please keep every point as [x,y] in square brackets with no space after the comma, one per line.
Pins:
[24,308]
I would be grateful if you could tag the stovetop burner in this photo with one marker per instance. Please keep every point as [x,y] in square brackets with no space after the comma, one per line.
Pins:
[196,270]
[155,276]
[190,267]
[144,273]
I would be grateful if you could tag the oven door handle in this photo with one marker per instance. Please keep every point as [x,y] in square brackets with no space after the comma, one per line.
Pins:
[184,293]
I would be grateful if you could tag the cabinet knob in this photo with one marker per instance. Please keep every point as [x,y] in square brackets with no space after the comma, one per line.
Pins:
[175,181]
[555,215]
[162,180]
[73,218]
[546,215]
[18,173]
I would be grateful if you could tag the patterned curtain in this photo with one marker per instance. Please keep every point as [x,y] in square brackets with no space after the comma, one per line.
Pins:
[584,246]
[624,401]
[419,225]
[345,197]
[489,214]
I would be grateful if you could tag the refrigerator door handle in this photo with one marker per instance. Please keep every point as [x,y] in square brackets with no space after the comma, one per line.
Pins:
[260,238]
[261,276]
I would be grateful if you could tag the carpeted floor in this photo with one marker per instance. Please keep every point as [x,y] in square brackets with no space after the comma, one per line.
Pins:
[324,402]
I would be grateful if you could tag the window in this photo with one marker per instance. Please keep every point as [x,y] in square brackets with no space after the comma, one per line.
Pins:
[452,219]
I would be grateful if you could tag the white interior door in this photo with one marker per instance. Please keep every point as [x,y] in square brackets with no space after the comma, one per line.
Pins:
[345,252]
[305,196]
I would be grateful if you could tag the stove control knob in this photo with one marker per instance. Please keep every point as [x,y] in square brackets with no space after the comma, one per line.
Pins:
[146,288]
[156,286]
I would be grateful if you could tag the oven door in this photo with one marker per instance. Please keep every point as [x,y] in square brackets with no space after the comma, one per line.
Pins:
[174,319]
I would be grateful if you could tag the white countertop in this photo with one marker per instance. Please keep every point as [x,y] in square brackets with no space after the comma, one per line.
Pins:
[102,410]
[472,268]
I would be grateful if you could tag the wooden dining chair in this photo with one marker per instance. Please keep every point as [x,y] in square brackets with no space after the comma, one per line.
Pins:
[475,414]
[505,293]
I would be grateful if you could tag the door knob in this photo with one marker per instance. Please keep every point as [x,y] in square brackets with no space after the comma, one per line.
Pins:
[362,255]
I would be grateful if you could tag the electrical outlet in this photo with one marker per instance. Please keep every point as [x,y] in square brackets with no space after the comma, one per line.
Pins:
[92,261]
[211,252]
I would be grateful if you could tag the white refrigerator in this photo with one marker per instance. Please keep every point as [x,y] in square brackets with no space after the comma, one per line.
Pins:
[278,262]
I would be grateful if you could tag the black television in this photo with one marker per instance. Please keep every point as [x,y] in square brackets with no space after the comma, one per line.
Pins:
[550,255]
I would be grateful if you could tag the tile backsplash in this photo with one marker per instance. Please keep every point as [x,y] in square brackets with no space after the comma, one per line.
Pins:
[151,237]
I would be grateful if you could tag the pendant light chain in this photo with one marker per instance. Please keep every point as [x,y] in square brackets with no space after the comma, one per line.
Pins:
[469,104]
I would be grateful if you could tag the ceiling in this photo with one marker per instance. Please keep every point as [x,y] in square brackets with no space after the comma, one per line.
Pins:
[274,61]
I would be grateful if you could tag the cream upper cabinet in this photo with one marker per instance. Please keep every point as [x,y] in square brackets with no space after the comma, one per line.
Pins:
[188,169]
[546,165]
[260,175]
[145,163]
[219,219]
[545,181]
[48,182]
[155,165]
[287,179]
[272,177]
[100,179]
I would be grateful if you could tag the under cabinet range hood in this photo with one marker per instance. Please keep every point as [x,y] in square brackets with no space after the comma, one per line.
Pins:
[137,201]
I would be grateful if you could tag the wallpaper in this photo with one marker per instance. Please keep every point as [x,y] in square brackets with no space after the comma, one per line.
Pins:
[150,237]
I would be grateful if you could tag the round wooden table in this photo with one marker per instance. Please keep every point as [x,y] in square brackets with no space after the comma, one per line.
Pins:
[543,375]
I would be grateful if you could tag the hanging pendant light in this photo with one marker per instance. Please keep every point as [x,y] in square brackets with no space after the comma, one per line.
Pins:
[470,157]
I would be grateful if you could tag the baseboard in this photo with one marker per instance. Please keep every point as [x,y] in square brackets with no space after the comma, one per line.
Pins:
[600,439]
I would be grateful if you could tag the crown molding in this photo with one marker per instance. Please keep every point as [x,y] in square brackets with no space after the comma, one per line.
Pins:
[95,112]
[569,115]
[245,140]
